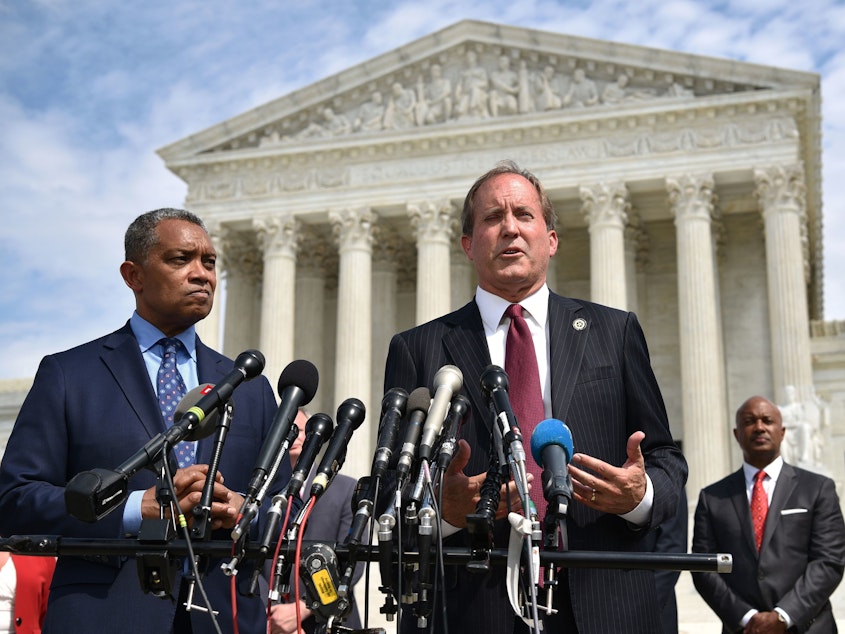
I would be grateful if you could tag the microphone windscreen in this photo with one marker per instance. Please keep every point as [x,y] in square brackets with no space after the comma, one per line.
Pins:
[208,424]
[302,374]
[551,432]
[420,399]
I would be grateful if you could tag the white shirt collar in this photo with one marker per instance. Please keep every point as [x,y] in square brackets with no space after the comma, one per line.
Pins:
[772,470]
[492,307]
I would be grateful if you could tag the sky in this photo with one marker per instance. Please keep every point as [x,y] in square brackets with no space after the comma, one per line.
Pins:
[90,89]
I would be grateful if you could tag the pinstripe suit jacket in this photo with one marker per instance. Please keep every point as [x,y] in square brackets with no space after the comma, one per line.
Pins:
[94,406]
[800,561]
[603,388]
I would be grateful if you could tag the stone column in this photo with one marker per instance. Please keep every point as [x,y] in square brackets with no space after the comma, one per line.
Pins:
[208,329]
[277,238]
[636,254]
[385,321]
[243,294]
[780,190]
[605,207]
[354,231]
[434,224]
[310,310]
[706,430]
[463,276]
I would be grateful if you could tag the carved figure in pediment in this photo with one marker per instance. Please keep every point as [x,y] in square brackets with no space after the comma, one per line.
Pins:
[401,111]
[434,98]
[548,97]
[471,92]
[582,91]
[525,100]
[273,138]
[677,90]
[504,91]
[617,91]
[333,125]
[371,114]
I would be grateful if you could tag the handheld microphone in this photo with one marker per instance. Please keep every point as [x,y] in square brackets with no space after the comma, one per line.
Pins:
[447,382]
[458,415]
[350,415]
[552,449]
[318,429]
[418,404]
[297,386]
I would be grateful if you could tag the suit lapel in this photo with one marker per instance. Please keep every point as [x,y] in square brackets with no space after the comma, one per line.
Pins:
[567,343]
[739,500]
[466,347]
[122,357]
[787,480]
[209,370]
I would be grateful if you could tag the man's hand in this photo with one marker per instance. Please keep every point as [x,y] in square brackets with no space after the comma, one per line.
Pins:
[607,488]
[188,484]
[765,623]
[283,617]
[461,493]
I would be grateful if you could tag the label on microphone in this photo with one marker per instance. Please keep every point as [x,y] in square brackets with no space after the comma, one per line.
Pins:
[324,586]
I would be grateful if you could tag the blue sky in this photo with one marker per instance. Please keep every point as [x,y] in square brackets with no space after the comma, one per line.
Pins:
[89,89]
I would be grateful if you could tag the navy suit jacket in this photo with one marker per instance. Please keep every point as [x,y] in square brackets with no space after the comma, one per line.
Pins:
[94,406]
[801,559]
[603,388]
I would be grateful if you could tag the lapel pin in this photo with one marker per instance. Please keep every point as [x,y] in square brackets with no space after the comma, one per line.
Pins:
[579,324]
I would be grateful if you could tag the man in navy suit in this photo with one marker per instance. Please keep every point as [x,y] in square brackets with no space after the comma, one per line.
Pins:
[96,404]
[785,582]
[595,375]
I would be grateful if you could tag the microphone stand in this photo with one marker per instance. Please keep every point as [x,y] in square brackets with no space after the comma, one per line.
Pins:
[202,511]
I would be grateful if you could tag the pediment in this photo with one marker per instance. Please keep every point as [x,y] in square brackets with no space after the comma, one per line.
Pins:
[475,72]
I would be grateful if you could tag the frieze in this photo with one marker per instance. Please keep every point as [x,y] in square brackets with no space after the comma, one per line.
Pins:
[476,82]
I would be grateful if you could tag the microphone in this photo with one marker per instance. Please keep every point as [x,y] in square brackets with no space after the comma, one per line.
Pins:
[418,404]
[248,365]
[317,431]
[392,410]
[447,382]
[350,415]
[91,495]
[297,386]
[458,415]
[552,449]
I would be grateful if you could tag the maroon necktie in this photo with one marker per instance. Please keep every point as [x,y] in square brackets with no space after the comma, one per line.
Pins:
[759,507]
[524,391]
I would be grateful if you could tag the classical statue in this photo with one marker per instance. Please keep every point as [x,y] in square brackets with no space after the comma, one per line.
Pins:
[401,109]
[582,91]
[434,99]
[371,114]
[504,91]
[471,91]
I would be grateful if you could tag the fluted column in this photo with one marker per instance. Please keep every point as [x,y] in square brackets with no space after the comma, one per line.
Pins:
[243,294]
[208,329]
[636,253]
[310,311]
[706,426]
[385,322]
[781,190]
[463,276]
[277,238]
[605,207]
[434,224]
[354,230]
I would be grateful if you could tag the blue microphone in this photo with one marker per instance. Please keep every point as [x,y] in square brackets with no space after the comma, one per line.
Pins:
[552,449]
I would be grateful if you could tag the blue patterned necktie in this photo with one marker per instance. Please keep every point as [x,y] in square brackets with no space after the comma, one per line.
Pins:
[171,389]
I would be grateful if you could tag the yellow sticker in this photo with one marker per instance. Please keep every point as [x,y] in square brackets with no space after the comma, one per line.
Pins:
[325,588]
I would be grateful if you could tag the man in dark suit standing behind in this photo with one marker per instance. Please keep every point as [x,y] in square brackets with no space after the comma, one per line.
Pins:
[94,405]
[783,526]
[594,374]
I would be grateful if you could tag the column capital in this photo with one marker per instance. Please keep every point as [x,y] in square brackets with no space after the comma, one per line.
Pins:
[780,188]
[388,247]
[315,253]
[605,203]
[691,196]
[433,221]
[278,235]
[353,228]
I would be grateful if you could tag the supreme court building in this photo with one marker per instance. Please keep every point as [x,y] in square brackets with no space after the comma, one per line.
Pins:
[688,190]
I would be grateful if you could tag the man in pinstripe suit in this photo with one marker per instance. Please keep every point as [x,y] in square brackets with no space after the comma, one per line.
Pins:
[595,375]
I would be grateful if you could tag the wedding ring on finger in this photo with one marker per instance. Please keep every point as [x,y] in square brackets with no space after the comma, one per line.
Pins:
[593,496]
